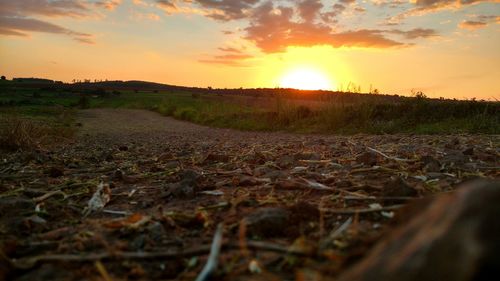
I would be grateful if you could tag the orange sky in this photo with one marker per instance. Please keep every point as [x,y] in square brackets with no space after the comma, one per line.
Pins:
[444,48]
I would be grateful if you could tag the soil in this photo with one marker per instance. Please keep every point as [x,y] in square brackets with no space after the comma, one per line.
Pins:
[138,196]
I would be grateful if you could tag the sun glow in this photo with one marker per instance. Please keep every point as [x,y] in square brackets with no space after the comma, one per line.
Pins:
[306,79]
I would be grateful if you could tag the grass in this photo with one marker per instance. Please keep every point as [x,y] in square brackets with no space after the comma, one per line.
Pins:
[342,113]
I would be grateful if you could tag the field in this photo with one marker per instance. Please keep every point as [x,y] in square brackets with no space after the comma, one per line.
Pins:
[103,184]
[263,110]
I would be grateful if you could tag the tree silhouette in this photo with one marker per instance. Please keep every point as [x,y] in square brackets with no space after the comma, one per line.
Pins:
[3,77]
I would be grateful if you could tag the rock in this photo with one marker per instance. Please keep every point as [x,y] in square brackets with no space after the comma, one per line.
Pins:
[454,158]
[307,156]
[267,222]
[165,157]
[262,170]
[186,188]
[430,164]
[15,205]
[469,151]
[455,238]
[399,188]
[172,165]
[285,161]
[216,158]
[180,190]
[189,175]
[368,158]
[55,172]
[245,181]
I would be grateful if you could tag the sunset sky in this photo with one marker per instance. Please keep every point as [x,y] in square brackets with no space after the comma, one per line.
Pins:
[445,48]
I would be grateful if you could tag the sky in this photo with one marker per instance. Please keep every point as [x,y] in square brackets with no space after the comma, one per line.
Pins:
[444,48]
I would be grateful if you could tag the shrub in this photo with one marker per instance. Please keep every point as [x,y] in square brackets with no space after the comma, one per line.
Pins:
[24,134]
[186,113]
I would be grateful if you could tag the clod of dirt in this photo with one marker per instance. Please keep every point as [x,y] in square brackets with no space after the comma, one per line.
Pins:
[262,170]
[469,151]
[182,189]
[430,164]
[55,172]
[307,156]
[267,222]
[455,238]
[285,161]
[399,188]
[368,158]
[217,158]
[186,188]
[454,158]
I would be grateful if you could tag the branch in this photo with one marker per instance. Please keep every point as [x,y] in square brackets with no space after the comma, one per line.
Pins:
[213,258]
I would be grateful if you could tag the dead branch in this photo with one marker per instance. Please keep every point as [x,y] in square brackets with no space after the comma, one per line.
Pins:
[360,211]
[213,258]
[29,262]
[387,156]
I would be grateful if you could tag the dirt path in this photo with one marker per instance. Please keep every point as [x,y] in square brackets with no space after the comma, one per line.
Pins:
[170,183]
[129,121]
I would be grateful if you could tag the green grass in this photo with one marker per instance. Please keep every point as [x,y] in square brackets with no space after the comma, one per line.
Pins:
[409,115]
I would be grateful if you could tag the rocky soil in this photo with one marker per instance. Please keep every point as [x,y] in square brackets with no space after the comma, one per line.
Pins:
[137,196]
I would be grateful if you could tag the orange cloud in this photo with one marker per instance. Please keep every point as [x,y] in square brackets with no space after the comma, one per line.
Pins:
[424,7]
[57,8]
[482,21]
[17,26]
[108,4]
[273,30]
[18,18]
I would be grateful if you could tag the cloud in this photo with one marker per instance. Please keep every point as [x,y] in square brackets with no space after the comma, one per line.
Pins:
[424,7]
[273,30]
[168,6]
[20,17]
[226,10]
[415,33]
[108,4]
[309,9]
[18,26]
[230,50]
[482,21]
[57,8]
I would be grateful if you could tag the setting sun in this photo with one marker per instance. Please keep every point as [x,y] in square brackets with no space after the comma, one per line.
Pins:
[306,79]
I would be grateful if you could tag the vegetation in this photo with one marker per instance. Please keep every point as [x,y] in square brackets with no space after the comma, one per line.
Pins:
[30,112]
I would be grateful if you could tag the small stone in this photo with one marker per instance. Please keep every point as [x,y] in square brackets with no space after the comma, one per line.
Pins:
[172,165]
[307,156]
[399,188]
[262,170]
[180,190]
[430,164]
[469,151]
[55,172]
[368,158]
[267,222]
[285,161]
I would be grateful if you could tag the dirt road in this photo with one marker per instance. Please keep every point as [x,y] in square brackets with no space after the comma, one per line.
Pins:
[170,183]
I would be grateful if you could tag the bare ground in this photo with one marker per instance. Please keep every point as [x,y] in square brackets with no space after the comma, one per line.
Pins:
[292,206]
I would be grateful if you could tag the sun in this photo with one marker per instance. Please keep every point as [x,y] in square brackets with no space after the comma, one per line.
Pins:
[306,79]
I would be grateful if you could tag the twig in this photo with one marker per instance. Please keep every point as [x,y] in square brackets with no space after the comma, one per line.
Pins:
[29,262]
[360,211]
[213,258]
[113,212]
[336,233]
[48,195]
[387,156]
[380,198]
